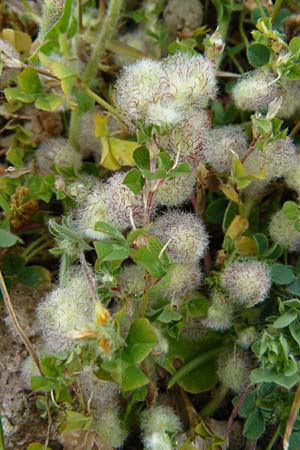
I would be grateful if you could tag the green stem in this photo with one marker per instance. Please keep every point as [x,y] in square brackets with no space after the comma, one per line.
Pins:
[242,30]
[274,437]
[36,251]
[235,61]
[191,365]
[276,9]
[260,8]
[212,405]
[103,40]
[32,246]
[103,103]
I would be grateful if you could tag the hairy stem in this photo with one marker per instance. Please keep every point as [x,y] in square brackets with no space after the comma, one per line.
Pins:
[88,276]
[103,103]
[276,9]
[291,419]
[236,409]
[274,437]
[105,36]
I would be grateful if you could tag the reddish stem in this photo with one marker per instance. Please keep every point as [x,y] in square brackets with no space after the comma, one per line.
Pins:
[236,409]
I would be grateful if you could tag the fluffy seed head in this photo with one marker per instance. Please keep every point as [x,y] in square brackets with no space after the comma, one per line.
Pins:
[219,314]
[65,309]
[121,202]
[110,427]
[183,280]
[157,423]
[176,191]
[190,80]
[223,143]
[189,138]
[292,177]
[246,337]
[234,370]
[93,210]
[275,160]
[57,151]
[284,233]
[186,233]
[255,91]
[247,282]
[137,87]
[182,17]
[132,279]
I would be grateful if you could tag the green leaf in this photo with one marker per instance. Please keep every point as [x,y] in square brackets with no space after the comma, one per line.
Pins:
[111,251]
[274,252]
[12,264]
[164,161]
[248,405]
[282,274]
[261,242]
[35,446]
[61,26]
[258,55]
[181,169]
[168,315]
[75,421]
[284,320]
[29,81]
[149,258]
[39,383]
[294,45]
[48,102]
[141,157]
[132,378]
[15,93]
[110,230]
[7,239]
[140,341]
[216,210]
[198,307]
[134,181]
[294,328]
[291,210]
[255,425]
[262,375]
[294,441]
[34,276]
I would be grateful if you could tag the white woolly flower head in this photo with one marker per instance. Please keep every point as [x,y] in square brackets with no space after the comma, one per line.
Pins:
[220,313]
[283,232]
[234,370]
[57,151]
[292,177]
[185,233]
[158,441]
[137,87]
[276,159]
[101,395]
[132,279]
[176,191]
[189,79]
[223,144]
[183,279]
[156,424]
[255,91]
[247,282]
[65,309]
[183,16]
[93,210]
[109,425]
[122,203]
[246,337]
[188,138]
[164,113]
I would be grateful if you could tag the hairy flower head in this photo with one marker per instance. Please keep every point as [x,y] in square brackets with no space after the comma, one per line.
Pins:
[158,424]
[223,143]
[109,425]
[246,337]
[185,233]
[292,176]
[65,309]
[189,79]
[183,280]
[176,191]
[183,17]
[276,159]
[283,232]
[219,314]
[57,151]
[234,370]
[247,282]
[93,210]
[132,279]
[122,203]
